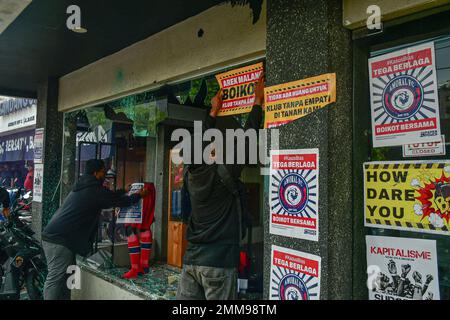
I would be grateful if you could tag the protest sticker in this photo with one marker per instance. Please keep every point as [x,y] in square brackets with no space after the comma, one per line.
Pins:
[39,145]
[294,275]
[402,269]
[238,89]
[132,214]
[404,97]
[290,101]
[408,195]
[38,182]
[428,149]
[294,193]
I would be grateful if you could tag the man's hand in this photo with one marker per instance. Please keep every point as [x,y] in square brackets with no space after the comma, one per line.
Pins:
[143,192]
[6,212]
[216,104]
[259,91]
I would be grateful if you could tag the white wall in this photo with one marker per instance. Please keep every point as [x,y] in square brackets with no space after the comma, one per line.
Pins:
[95,288]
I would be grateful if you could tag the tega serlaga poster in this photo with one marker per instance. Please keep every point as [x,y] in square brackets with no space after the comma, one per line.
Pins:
[402,269]
[132,214]
[294,275]
[238,89]
[404,97]
[294,193]
[290,101]
[408,195]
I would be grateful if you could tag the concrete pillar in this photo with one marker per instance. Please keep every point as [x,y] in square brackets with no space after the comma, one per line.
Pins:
[161,159]
[49,118]
[305,38]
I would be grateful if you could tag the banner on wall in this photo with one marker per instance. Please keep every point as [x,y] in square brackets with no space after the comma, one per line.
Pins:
[238,89]
[428,149]
[290,101]
[17,147]
[132,214]
[404,97]
[402,269]
[409,195]
[294,193]
[38,182]
[294,275]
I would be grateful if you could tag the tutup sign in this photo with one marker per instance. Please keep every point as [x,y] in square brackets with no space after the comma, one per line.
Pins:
[428,149]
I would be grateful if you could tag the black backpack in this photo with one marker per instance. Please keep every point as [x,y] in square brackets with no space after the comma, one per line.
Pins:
[235,186]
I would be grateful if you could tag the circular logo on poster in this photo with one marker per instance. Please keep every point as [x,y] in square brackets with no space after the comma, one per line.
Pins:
[292,287]
[403,97]
[293,192]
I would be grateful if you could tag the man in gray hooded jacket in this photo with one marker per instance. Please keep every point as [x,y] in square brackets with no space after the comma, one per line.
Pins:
[212,256]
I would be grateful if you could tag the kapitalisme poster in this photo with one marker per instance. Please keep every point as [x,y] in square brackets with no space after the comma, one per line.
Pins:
[290,101]
[404,97]
[294,193]
[408,195]
[294,275]
[402,269]
[238,89]
[132,214]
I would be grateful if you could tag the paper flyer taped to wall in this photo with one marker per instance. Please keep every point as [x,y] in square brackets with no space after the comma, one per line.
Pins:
[404,97]
[408,195]
[294,275]
[238,89]
[294,193]
[132,214]
[402,269]
[294,100]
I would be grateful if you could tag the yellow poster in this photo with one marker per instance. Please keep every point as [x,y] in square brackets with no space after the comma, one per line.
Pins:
[238,89]
[290,101]
[412,196]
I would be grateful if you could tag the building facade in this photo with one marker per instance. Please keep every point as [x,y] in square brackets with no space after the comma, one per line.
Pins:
[124,108]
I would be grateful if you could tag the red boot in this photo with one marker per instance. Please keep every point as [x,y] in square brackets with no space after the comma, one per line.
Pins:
[146,250]
[134,250]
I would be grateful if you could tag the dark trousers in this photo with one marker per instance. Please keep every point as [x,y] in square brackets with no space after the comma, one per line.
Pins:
[59,258]
[207,283]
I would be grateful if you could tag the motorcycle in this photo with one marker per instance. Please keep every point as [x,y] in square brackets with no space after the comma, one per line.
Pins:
[22,260]
[22,199]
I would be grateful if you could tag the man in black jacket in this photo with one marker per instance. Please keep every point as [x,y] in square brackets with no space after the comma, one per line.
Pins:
[73,228]
[212,255]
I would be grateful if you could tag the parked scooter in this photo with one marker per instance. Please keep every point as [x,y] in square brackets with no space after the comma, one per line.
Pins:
[22,260]
[22,199]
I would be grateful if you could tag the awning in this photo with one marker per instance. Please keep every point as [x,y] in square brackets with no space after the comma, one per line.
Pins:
[17,147]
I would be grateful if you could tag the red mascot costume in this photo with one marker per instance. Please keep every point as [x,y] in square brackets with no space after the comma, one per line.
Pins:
[140,237]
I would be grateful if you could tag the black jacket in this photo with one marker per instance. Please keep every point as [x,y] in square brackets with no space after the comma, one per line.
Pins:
[4,197]
[75,223]
[213,229]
